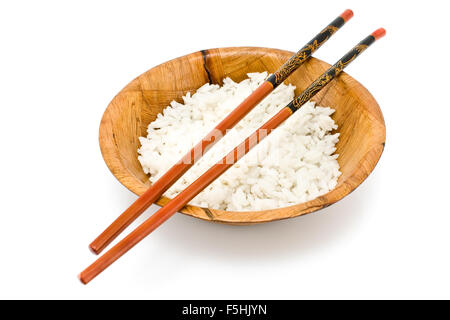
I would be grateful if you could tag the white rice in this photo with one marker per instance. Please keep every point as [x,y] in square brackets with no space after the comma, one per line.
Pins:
[294,164]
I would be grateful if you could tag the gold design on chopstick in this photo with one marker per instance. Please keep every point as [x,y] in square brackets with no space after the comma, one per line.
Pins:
[324,79]
[359,48]
[315,87]
[303,54]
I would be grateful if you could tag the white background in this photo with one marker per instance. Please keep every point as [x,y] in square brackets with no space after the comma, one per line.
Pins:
[62,62]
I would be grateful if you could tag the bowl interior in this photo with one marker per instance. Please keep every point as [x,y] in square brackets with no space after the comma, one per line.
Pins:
[360,121]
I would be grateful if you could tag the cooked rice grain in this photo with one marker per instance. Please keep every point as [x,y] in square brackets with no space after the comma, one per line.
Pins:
[294,164]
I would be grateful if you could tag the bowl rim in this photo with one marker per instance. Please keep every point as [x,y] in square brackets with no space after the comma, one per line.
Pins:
[112,159]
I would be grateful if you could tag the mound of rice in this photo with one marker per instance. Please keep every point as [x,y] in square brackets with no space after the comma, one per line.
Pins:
[294,164]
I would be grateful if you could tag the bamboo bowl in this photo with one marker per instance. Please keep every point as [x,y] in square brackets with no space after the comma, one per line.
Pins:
[361,124]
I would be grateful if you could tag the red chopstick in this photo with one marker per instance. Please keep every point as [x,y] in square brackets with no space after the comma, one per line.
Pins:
[220,167]
[171,176]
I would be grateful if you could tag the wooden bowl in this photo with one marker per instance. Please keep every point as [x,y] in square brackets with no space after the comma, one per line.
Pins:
[361,124]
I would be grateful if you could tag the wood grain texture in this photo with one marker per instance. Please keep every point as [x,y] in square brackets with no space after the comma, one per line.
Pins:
[361,124]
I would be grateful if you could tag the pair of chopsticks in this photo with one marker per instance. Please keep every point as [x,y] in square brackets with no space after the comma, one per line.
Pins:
[169,178]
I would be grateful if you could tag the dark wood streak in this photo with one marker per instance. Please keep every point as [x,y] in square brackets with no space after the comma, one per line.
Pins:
[205,65]
[208,213]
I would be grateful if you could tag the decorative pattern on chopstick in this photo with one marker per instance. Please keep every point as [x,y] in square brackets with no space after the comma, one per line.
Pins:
[296,60]
[160,186]
[330,74]
[219,168]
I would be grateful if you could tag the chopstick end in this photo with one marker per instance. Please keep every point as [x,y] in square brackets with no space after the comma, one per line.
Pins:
[82,280]
[94,249]
[379,33]
[347,15]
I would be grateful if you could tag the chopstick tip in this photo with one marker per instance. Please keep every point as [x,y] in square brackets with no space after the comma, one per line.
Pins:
[347,15]
[93,249]
[82,280]
[379,33]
